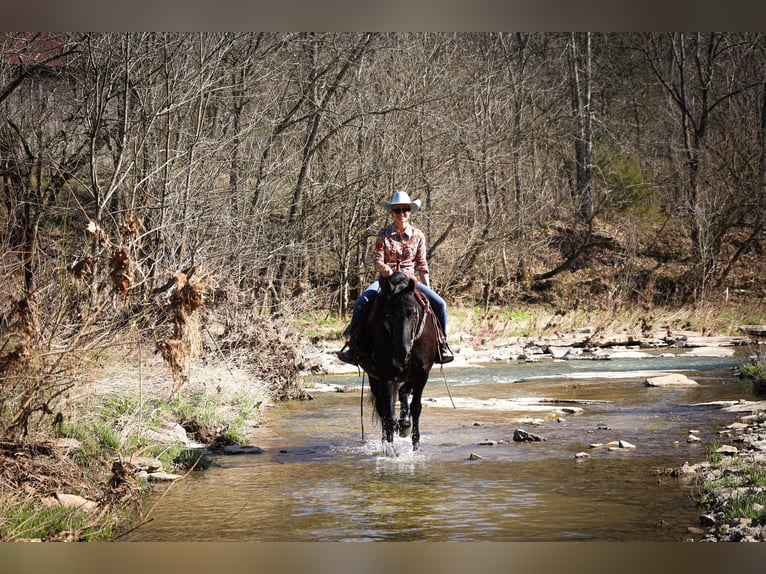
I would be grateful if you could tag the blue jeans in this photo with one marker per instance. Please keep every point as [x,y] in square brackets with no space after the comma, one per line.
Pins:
[438,305]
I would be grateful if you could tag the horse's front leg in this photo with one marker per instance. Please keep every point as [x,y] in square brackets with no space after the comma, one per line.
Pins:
[405,425]
[415,408]
[386,409]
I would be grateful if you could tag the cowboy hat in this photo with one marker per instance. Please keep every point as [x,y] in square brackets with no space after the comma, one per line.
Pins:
[401,198]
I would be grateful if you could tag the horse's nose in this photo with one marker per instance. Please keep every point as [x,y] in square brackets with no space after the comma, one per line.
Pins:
[399,361]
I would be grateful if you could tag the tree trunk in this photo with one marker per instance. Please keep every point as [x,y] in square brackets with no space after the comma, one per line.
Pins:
[580,83]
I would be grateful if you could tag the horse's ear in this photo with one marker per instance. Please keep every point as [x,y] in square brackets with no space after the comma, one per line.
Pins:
[412,284]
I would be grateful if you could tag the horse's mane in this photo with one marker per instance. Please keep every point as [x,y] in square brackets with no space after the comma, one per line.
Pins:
[398,284]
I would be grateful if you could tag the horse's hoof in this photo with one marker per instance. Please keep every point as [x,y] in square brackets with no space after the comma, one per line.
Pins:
[390,450]
[405,431]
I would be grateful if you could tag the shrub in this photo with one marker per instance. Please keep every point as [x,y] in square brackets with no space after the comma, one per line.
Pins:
[753,373]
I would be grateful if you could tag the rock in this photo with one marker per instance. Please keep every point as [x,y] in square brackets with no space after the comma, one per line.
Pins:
[145,463]
[754,330]
[474,456]
[710,352]
[520,435]
[671,380]
[77,501]
[707,520]
[162,476]
[693,438]
[242,449]
[559,352]
[67,443]
[625,444]
[717,404]
[612,444]
[746,406]
[727,450]
[488,442]
[582,455]
[172,433]
[687,469]
[737,427]
[629,355]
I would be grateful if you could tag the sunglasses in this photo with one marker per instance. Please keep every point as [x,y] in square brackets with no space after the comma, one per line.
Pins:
[401,210]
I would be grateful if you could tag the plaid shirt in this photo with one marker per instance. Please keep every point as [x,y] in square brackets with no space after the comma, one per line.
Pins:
[404,252]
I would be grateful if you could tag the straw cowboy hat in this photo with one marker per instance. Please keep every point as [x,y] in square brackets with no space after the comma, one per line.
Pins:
[401,198]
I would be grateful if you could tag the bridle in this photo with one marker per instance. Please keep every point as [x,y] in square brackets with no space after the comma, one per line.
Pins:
[422,310]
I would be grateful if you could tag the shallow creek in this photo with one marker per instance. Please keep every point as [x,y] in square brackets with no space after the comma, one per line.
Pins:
[318,480]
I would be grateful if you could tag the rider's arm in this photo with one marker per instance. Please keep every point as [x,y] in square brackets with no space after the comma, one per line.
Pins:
[379,259]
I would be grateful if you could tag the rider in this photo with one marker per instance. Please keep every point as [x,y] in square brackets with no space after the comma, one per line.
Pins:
[400,247]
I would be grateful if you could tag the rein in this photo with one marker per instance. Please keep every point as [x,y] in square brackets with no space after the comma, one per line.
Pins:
[426,308]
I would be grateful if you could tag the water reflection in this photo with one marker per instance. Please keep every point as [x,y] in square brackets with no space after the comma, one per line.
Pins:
[319,480]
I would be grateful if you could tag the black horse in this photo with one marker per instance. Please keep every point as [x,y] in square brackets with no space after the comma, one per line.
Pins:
[399,345]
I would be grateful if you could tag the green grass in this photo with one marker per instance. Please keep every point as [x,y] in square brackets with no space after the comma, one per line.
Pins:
[746,506]
[192,458]
[227,421]
[748,478]
[112,426]
[29,521]
[97,437]
[199,407]
[714,458]
[754,375]
[754,476]
[320,324]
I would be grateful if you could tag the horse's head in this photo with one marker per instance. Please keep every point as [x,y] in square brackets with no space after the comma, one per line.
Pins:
[401,314]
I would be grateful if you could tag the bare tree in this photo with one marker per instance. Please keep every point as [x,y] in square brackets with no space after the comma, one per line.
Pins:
[580,74]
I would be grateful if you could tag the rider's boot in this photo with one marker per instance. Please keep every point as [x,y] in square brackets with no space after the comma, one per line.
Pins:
[348,354]
[445,354]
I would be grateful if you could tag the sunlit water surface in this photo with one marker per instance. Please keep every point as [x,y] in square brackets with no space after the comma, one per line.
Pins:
[318,480]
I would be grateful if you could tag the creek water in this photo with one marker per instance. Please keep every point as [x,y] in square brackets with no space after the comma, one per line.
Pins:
[318,479]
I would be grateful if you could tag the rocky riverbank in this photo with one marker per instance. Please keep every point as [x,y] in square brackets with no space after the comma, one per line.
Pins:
[732,483]
[582,344]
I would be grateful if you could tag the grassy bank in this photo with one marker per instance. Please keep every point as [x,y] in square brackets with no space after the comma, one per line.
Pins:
[732,481]
[112,420]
